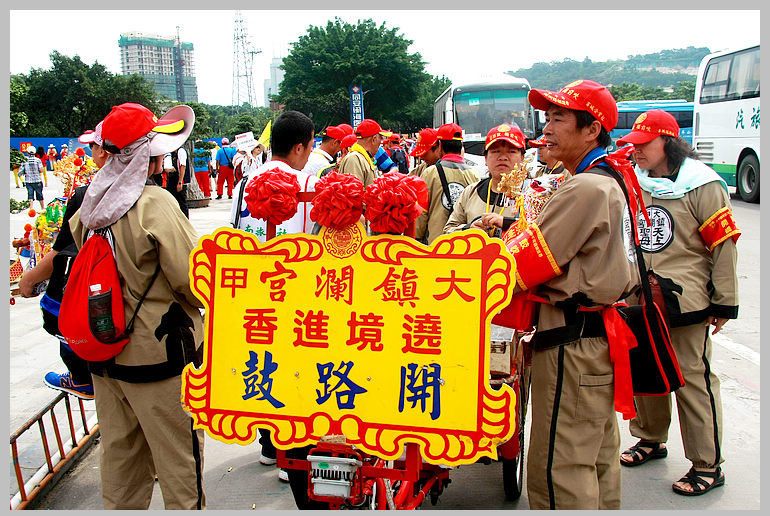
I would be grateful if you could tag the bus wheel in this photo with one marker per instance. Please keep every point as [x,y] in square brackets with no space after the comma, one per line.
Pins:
[748,179]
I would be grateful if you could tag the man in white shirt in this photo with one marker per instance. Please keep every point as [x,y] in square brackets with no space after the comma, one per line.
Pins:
[292,143]
[175,177]
[322,159]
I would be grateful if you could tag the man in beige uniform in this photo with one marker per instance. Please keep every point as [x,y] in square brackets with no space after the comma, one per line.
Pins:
[359,161]
[579,257]
[144,428]
[456,175]
[691,249]
[426,149]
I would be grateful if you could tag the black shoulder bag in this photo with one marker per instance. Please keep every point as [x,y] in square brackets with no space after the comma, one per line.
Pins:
[654,366]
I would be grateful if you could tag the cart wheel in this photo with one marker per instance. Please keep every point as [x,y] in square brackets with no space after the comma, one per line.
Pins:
[513,469]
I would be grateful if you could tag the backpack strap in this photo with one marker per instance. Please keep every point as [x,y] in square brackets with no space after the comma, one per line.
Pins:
[130,326]
[445,185]
[240,201]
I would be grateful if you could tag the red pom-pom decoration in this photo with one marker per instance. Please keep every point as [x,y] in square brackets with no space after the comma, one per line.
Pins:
[77,162]
[339,200]
[80,152]
[272,196]
[31,213]
[393,202]
[27,227]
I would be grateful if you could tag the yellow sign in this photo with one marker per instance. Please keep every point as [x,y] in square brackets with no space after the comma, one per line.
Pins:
[382,339]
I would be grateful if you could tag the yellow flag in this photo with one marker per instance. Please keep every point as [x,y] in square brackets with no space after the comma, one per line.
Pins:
[264,138]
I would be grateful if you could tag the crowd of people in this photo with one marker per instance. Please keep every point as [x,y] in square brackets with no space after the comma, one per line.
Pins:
[586,267]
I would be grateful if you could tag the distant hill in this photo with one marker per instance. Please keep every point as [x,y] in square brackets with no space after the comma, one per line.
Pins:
[664,69]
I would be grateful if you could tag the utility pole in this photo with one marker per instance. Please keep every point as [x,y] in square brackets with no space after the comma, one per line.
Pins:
[243,61]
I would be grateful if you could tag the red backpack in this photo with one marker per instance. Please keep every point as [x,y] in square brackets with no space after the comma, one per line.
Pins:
[91,318]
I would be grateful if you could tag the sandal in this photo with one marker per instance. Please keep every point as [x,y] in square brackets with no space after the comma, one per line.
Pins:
[699,486]
[641,456]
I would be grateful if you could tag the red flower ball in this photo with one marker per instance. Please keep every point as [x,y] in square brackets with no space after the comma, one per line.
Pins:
[77,162]
[272,196]
[80,152]
[27,228]
[339,200]
[31,213]
[394,201]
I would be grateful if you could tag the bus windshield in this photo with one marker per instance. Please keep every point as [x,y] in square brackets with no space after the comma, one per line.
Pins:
[480,111]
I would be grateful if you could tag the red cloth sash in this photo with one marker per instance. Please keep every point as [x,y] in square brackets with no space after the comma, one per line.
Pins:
[718,228]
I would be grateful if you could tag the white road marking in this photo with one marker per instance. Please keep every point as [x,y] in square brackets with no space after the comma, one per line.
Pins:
[739,349]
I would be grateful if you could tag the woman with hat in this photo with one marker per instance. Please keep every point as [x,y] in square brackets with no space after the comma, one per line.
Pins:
[483,205]
[691,249]
[144,428]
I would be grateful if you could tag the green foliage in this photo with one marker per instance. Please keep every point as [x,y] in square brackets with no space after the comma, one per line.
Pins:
[19,206]
[326,61]
[16,158]
[627,91]
[253,120]
[71,97]
[641,70]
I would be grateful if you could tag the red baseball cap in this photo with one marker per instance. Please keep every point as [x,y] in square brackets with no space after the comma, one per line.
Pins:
[581,95]
[92,136]
[334,132]
[649,125]
[509,133]
[348,141]
[538,142]
[347,128]
[426,139]
[128,122]
[394,137]
[450,132]
[368,127]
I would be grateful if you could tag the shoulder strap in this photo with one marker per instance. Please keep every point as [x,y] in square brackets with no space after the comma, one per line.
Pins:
[130,325]
[240,201]
[646,287]
[444,185]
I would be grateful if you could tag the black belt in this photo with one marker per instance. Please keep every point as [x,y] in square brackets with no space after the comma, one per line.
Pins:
[582,325]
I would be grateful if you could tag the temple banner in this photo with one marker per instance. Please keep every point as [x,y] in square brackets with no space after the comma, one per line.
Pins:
[381,338]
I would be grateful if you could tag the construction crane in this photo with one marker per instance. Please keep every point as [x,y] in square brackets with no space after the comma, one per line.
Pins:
[243,61]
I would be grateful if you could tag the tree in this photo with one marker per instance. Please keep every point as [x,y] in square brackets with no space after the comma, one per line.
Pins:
[73,96]
[18,117]
[326,61]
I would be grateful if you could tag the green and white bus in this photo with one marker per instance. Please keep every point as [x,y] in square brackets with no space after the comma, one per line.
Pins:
[478,107]
[726,113]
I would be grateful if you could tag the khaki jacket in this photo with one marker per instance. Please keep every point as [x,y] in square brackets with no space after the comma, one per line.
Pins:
[168,329]
[419,169]
[472,204]
[701,283]
[430,224]
[582,224]
[355,163]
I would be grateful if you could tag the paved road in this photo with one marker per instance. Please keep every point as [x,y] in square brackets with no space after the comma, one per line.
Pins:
[233,479]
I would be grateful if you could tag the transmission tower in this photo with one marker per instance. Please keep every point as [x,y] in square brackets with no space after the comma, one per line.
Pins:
[178,67]
[243,60]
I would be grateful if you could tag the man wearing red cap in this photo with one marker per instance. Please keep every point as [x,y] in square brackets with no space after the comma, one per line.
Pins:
[397,154]
[426,149]
[360,159]
[689,206]
[446,180]
[324,157]
[225,168]
[579,259]
[144,428]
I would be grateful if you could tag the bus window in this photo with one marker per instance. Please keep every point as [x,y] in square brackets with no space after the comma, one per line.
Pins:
[683,118]
[479,111]
[716,79]
[744,76]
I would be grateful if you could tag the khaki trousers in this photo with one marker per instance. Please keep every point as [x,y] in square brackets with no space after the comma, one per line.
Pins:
[145,431]
[698,402]
[574,440]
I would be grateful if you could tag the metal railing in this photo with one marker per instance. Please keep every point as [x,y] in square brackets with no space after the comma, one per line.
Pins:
[81,437]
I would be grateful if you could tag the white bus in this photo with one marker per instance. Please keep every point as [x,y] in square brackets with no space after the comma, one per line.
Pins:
[478,107]
[726,112]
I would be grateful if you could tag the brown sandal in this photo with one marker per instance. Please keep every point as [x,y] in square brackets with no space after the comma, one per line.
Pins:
[643,456]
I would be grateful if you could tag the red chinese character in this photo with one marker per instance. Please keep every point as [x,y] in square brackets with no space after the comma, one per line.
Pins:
[453,281]
[233,279]
[366,332]
[311,329]
[399,287]
[260,326]
[424,330]
[336,287]
[276,285]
